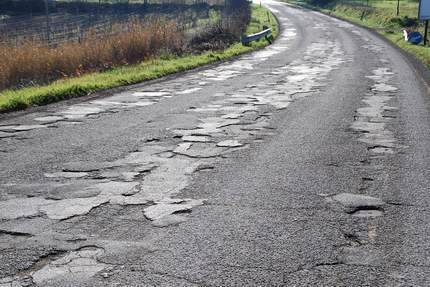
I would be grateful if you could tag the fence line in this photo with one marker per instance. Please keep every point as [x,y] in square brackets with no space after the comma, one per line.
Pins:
[61,27]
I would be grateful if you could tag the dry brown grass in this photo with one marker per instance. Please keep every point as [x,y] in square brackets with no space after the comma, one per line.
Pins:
[127,43]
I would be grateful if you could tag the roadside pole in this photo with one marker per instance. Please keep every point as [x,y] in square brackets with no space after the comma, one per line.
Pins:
[426,28]
[424,15]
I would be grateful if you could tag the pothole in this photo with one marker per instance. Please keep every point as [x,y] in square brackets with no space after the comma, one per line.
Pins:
[360,255]
[367,212]
[195,138]
[359,205]
[68,175]
[74,267]
[357,200]
[169,206]
[20,128]
[204,167]
[382,87]
[169,220]
[229,143]
[371,120]
[49,119]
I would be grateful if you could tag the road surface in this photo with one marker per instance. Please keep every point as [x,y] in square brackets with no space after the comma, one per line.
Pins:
[303,164]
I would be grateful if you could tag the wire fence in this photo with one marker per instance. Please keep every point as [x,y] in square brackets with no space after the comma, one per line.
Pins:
[62,22]
[400,8]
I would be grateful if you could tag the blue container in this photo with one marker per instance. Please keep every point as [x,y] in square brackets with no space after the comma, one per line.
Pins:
[415,38]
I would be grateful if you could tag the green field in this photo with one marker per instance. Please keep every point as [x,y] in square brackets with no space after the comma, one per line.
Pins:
[81,86]
[379,15]
[406,8]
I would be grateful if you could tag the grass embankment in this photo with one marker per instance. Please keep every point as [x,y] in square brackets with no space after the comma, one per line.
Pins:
[81,86]
[380,15]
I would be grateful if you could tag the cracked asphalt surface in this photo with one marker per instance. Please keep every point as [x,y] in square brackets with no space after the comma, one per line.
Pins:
[303,164]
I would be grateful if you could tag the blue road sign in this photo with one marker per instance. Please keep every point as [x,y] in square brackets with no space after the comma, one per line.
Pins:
[424,10]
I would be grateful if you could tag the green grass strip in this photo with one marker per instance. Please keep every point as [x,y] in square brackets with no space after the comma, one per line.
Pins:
[12,100]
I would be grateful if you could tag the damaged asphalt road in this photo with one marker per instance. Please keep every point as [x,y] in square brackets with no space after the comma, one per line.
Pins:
[303,164]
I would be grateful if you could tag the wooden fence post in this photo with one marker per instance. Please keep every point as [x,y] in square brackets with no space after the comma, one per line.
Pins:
[398,8]
[48,24]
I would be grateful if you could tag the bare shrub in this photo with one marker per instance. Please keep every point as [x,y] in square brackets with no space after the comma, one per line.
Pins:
[130,42]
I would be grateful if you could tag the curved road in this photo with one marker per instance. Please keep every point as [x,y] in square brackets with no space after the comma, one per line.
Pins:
[303,164]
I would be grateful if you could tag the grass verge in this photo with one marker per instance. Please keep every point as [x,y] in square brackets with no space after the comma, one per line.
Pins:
[380,17]
[12,100]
